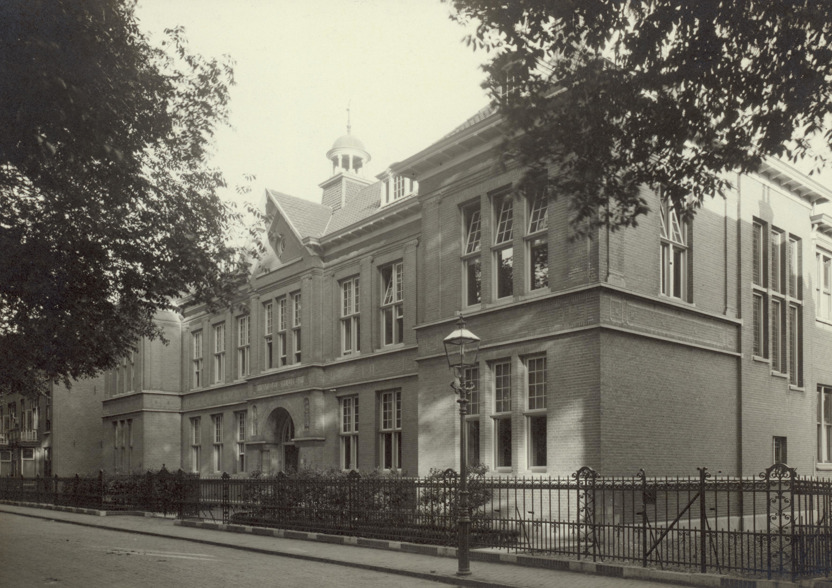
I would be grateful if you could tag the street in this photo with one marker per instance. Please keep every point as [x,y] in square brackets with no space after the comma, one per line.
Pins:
[36,552]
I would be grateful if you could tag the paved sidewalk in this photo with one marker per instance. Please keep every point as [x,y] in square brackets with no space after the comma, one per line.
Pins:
[404,559]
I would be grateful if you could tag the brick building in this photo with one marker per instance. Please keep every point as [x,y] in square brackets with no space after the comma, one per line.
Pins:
[665,347]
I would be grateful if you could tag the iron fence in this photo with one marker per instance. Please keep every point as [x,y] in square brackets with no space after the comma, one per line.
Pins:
[776,524]
[159,492]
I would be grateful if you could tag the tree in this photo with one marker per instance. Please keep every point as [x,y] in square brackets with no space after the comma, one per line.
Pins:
[624,94]
[109,207]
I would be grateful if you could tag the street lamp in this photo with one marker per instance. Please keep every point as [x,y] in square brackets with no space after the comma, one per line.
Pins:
[461,349]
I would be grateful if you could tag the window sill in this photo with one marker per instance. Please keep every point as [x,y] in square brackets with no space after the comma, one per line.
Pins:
[779,375]
[824,467]
[794,388]
[761,359]
[825,321]
[675,300]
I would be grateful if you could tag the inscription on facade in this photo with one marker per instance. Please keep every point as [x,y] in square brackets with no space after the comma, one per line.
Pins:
[281,385]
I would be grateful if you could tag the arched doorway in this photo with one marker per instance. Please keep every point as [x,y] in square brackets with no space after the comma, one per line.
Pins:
[280,443]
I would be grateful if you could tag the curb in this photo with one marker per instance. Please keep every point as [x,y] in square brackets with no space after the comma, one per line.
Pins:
[584,567]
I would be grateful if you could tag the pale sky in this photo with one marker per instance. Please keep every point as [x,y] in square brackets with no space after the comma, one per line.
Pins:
[401,65]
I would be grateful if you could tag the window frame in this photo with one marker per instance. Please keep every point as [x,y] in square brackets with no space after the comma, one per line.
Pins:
[471,253]
[391,303]
[390,429]
[536,367]
[502,415]
[243,346]
[196,443]
[219,353]
[823,284]
[240,422]
[197,361]
[502,249]
[350,323]
[537,237]
[824,422]
[349,413]
[473,428]
[217,441]
[675,250]
[297,309]
[282,332]
[268,335]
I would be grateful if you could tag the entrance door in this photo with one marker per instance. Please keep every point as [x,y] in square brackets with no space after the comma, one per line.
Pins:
[290,450]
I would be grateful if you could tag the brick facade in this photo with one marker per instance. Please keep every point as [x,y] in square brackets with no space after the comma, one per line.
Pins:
[638,348]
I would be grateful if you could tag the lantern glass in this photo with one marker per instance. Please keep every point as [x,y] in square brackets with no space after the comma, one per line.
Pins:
[461,346]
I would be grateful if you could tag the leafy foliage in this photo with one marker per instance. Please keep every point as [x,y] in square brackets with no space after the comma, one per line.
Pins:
[619,95]
[109,207]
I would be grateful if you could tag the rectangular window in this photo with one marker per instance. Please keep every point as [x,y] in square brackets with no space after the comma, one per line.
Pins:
[760,330]
[296,310]
[503,251]
[536,373]
[758,257]
[674,253]
[504,263]
[536,393]
[823,284]
[780,450]
[825,424]
[392,304]
[243,346]
[778,342]
[471,375]
[282,327]
[538,241]
[196,443]
[350,317]
[219,353]
[503,442]
[217,437]
[795,268]
[502,387]
[795,344]
[777,261]
[268,335]
[777,300]
[471,255]
[502,410]
[537,441]
[349,433]
[390,430]
[241,441]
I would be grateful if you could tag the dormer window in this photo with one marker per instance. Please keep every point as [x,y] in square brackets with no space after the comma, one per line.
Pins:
[398,187]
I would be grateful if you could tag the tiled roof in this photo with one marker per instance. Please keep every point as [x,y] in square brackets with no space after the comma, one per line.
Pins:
[309,218]
[358,207]
[482,114]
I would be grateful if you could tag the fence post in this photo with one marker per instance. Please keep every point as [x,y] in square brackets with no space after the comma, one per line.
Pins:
[225,497]
[586,506]
[353,511]
[703,520]
[101,488]
[641,474]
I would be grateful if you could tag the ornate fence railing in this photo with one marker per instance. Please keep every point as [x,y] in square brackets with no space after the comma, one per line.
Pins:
[773,525]
[161,492]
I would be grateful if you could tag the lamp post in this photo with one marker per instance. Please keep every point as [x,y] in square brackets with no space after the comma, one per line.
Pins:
[461,349]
